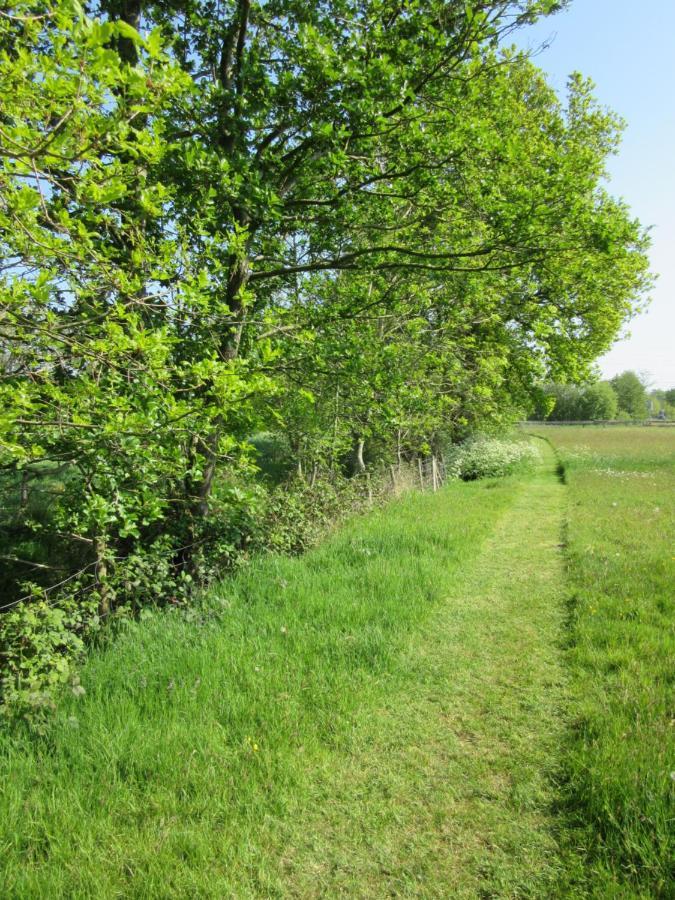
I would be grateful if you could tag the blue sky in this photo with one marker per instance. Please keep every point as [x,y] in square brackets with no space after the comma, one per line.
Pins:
[628,49]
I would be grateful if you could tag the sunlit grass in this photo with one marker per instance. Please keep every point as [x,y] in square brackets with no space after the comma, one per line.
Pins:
[183,769]
[621,550]
[408,710]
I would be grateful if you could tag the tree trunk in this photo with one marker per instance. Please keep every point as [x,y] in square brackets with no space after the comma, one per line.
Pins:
[102,577]
[358,454]
[240,271]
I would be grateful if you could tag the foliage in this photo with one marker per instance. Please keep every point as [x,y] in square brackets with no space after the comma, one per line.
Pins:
[573,403]
[42,643]
[485,458]
[598,402]
[661,403]
[631,395]
[559,402]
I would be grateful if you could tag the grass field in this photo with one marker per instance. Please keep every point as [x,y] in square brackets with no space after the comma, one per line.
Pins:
[620,567]
[442,700]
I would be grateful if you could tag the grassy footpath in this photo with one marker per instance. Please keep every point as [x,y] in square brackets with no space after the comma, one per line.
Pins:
[447,788]
[378,718]
[621,527]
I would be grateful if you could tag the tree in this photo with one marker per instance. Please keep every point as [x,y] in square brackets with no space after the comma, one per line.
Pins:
[574,403]
[598,402]
[281,169]
[631,395]
[567,407]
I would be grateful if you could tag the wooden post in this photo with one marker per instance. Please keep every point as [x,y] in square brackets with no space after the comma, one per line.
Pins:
[24,489]
[392,470]
[434,473]
[370,490]
[421,472]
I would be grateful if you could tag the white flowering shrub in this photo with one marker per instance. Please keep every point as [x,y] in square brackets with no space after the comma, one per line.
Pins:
[489,458]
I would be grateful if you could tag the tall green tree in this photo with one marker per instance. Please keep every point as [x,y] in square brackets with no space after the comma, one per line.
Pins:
[598,402]
[631,394]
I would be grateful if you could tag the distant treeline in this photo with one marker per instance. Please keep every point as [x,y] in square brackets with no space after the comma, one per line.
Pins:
[624,397]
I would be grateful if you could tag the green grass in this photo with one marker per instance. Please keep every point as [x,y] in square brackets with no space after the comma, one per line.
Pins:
[377,718]
[436,702]
[621,484]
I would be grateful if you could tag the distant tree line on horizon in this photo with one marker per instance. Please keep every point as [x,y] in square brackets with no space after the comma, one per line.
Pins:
[626,396]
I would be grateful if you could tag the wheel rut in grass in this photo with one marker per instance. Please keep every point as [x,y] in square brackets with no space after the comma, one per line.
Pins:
[447,788]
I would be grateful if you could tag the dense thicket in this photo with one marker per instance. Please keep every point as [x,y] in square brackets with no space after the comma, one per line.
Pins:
[359,224]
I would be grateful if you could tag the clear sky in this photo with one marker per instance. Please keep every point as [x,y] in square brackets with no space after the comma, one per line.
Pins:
[628,49]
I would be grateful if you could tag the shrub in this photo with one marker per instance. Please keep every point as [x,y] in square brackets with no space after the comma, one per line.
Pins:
[483,458]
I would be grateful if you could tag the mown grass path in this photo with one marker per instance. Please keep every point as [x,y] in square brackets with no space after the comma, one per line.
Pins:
[447,788]
[382,717]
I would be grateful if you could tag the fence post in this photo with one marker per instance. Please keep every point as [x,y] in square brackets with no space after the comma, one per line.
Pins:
[368,486]
[434,474]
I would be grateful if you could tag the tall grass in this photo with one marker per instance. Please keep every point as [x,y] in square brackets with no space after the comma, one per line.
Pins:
[180,765]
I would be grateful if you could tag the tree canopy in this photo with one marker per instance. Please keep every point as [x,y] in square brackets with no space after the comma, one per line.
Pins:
[631,394]
[367,224]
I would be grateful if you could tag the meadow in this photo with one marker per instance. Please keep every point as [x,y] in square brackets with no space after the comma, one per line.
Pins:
[620,546]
